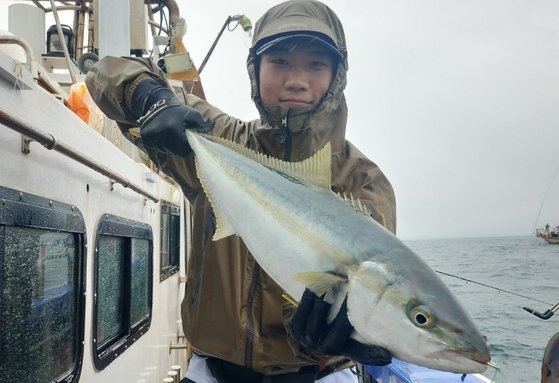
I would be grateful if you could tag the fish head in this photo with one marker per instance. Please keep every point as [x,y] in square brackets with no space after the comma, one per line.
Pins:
[416,318]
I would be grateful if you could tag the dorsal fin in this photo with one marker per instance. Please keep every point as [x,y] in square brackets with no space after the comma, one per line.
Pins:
[355,203]
[315,170]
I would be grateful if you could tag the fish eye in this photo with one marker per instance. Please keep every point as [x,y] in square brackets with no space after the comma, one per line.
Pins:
[422,317]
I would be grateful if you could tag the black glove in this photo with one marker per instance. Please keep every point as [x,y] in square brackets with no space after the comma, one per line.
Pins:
[164,118]
[310,328]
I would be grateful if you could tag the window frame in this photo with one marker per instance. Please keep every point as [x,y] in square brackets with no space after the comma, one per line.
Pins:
[114,226]
[168,208]
[20,209]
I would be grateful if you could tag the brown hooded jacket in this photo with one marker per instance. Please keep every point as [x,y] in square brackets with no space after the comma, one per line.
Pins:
[232,309]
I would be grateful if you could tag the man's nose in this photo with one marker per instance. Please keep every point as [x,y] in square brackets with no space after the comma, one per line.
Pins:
[297,79]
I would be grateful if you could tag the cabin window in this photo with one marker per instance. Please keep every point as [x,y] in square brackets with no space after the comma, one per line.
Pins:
[41,289]
[123,286]
[170,239]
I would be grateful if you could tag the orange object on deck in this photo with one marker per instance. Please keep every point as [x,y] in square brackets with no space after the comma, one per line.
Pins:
[80,102]
[77,103]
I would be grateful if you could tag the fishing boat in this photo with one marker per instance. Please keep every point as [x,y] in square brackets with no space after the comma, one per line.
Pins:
[92,242]
[552,239]
[550,236]
[93,238]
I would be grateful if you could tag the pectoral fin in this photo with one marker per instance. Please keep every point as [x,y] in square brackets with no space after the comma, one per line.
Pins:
[322,283]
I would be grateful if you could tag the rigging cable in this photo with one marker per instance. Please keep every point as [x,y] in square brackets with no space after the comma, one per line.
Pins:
[545,196]
[161,28]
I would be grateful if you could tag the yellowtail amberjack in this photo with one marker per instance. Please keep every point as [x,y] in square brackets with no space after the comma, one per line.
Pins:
[303,234]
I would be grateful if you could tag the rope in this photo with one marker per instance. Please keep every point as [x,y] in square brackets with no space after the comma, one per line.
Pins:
[545,196]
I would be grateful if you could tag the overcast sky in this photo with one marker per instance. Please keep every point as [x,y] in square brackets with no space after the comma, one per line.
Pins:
[457,101]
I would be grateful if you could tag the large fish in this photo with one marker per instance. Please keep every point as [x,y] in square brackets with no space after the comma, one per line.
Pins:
[303,234]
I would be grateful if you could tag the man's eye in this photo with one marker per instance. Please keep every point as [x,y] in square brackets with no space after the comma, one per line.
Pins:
[279,62]
[319,65]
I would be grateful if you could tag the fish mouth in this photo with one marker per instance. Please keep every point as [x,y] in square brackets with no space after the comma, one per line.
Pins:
[482,359]
[479,352]
[463,361]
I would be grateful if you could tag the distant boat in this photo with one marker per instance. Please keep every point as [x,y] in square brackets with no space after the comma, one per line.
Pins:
[550,236]
[554,239]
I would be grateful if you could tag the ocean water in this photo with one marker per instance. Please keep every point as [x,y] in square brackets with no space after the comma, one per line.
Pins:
[523,265]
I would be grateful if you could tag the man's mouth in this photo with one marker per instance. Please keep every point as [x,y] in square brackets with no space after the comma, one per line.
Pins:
[295,103]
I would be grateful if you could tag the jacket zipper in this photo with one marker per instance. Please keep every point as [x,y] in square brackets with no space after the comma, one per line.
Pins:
[285,138]
[250,319]
[286,141]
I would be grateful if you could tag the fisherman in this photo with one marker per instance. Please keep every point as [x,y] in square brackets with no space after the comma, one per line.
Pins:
[234,315]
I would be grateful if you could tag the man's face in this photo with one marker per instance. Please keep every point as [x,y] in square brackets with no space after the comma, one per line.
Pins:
[295,74]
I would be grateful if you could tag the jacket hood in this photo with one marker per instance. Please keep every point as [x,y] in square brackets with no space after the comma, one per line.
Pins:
[312,128]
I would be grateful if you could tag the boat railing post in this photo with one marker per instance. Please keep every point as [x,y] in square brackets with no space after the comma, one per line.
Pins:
[177,368]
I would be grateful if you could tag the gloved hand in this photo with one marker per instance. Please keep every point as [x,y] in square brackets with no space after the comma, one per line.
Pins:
[163,124]
[310,328]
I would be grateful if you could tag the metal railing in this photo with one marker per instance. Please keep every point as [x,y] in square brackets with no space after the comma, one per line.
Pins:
[51,143]
[30,57]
